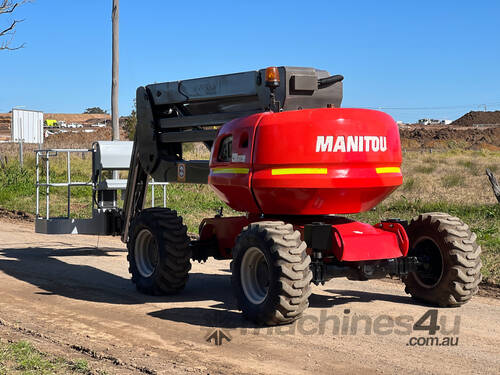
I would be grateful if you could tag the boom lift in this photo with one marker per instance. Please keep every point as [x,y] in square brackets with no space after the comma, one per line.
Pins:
[291,160]
[285,154]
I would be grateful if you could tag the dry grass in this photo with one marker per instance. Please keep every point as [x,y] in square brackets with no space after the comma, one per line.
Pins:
[456,177]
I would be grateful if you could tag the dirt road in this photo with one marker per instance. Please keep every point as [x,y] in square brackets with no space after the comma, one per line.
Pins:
[72,298]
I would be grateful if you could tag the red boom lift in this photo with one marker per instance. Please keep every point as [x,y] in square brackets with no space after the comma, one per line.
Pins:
[286,155]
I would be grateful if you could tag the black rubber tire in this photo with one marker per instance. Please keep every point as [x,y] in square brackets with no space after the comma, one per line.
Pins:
[460,258]
[289,274]
[172,245]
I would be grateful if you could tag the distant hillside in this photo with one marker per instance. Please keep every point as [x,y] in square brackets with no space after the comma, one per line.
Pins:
[478,118]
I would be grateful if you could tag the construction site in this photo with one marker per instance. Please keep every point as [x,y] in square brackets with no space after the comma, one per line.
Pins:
[247,222]
[474,130]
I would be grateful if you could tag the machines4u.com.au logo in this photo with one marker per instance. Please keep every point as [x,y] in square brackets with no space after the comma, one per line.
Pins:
[429,329]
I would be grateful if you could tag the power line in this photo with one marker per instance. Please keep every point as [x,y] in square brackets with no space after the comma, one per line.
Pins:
[482,105]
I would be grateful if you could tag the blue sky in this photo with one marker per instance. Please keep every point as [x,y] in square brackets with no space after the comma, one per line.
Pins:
[413,59]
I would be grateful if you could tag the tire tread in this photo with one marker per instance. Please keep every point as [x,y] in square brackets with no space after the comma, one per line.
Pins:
[460,281]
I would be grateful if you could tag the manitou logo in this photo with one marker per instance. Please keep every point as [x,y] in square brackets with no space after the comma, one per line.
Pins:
[351,143]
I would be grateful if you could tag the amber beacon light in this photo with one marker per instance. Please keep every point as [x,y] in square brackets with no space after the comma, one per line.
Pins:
[272,77]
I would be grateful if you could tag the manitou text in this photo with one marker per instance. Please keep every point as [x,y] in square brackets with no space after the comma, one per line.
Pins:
[351,143]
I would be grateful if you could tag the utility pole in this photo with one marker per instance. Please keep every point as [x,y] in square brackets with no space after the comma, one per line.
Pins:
[115,70]
[115,119]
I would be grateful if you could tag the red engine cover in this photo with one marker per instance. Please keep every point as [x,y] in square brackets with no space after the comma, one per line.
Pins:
[307,162]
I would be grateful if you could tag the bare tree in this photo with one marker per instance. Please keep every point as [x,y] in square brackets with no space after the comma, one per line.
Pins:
[8,7]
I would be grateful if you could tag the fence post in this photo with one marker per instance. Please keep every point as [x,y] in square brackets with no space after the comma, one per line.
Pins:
[47,188]
[68,166]
[21,154]
[37,186]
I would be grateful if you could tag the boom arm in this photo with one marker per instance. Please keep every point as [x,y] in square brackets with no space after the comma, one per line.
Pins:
[172,113]
[135,194]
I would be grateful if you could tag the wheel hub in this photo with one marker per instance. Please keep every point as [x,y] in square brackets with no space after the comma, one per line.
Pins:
[255,275]
[431,271]
[146,253]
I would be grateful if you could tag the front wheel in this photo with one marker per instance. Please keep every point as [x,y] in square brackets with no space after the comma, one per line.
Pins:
[451,266]
[158,252]
[270,273]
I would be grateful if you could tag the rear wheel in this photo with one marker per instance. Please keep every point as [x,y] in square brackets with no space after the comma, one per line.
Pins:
[158,252]
[270,273]
[451,270]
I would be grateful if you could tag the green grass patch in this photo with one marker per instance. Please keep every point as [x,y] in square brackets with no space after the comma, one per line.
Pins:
[23,358]
[451,180]
[471,165]
[409,184]
[425,169]
[467,163]
[80,366]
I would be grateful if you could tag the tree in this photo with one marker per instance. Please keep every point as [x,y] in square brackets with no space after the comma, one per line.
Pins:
[131,123]
[94,110]
[8,7]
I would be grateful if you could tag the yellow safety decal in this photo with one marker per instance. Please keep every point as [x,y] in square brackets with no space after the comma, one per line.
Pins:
[388,170]
[230,170]
[282,171]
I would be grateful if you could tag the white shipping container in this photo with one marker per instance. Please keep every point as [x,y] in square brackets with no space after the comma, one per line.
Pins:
[27,126]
